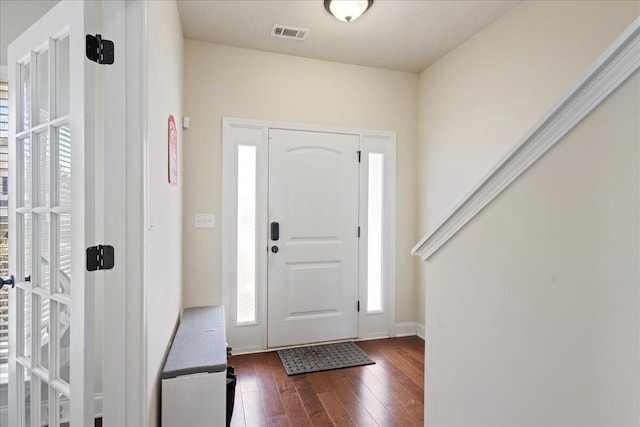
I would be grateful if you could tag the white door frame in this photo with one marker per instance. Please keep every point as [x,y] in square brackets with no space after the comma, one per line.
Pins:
[252,337]
[124,163]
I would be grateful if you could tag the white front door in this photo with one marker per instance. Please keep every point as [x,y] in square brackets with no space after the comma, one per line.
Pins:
[51,221]
[313,263]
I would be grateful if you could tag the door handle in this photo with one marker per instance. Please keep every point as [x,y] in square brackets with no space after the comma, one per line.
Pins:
[7,282]
[275,231]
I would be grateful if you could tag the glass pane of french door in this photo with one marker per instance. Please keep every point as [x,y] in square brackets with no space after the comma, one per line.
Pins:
[43,234]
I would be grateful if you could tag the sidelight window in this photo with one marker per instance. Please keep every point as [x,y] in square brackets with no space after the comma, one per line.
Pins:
[246,243]
[375,215]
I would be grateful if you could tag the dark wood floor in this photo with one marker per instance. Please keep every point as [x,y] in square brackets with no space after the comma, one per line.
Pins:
[389,393]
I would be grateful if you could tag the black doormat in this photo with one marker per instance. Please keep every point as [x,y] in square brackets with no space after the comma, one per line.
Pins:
[315,358]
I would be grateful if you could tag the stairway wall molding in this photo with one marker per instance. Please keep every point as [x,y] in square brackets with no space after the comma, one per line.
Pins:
[612,69]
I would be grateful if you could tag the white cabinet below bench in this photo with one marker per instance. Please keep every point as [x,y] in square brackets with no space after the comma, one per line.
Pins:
[194,391]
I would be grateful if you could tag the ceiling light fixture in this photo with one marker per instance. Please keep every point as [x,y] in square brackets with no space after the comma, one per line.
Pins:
[347,10]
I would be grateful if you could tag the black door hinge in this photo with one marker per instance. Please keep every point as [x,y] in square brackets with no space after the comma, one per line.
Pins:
[100,257]
[358,306]
[359,156]
[358,232]
[99,50]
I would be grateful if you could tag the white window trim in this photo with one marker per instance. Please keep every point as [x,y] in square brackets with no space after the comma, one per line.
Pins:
[379,324]
[244,337]
[247,338]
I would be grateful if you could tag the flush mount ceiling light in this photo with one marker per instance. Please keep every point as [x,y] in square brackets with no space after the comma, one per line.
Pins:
[347,10]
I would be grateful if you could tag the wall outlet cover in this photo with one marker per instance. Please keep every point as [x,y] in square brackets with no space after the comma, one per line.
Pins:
[206,220]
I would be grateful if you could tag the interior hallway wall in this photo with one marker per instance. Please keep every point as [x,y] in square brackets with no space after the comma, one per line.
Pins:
[533,308]
[477,101]
[222,81]
[164,201]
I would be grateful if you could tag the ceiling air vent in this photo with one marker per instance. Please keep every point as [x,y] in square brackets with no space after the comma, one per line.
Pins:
[289,32]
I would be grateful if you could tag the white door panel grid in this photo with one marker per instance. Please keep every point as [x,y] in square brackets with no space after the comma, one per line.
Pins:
[51,132]
[313,264]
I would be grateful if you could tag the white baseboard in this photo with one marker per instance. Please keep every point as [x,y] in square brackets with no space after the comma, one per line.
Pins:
[420,330]
[406,329]
[402,329]
[237,351]
[374,336]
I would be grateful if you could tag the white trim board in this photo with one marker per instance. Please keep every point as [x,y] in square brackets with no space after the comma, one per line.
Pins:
[406,329]
[615,65]
[420,331]
[402,329]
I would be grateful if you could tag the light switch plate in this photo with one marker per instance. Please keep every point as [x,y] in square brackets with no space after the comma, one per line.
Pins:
[205,220]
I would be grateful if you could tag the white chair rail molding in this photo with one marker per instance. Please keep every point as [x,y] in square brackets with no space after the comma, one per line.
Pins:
[612,69]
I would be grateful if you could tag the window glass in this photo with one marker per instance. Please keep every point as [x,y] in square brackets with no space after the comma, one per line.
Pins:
[374,221]
[246,257]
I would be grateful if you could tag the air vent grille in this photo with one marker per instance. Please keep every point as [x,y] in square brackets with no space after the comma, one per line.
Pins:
[287,32]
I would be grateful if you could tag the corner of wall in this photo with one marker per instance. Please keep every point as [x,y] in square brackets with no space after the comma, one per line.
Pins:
[164,211]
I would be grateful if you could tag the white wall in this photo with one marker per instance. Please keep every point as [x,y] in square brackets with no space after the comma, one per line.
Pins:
[225,81]
[533,308]
[164,202]
[477,101]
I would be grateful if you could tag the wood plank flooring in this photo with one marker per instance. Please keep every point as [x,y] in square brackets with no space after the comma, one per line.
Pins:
[389,393]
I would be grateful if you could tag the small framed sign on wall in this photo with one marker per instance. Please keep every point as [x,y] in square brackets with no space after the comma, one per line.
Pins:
[173,151]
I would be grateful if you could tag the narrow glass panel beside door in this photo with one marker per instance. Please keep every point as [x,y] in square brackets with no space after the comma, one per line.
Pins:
[374,232]
[246,262]
[42,87]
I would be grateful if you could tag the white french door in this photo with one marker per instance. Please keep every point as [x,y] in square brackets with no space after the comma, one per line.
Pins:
[313,242]
[51,204]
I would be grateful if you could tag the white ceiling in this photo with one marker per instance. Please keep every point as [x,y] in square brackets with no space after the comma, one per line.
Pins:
[405,35]
[396,34]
